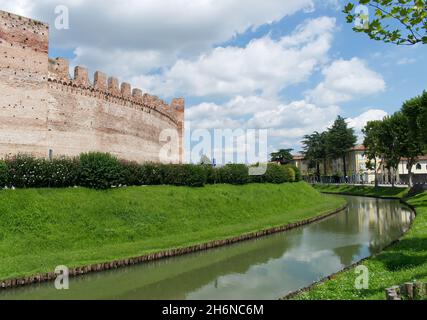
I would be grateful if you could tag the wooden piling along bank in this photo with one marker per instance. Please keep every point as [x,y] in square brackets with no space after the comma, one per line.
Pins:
[97,267]
[407,291]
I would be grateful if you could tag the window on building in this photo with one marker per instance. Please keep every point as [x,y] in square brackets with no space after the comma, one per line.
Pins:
[419,166]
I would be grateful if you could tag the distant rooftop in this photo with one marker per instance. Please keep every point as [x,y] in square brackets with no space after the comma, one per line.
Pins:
[359,147]
[298,156]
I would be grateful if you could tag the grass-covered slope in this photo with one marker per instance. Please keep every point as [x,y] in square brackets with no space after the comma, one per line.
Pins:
[43,228]
[367,191]
[404,262]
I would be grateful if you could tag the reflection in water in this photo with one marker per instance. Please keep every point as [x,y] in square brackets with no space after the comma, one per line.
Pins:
[265,268]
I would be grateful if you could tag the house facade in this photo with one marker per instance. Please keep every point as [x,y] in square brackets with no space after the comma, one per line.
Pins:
[419,171]
[358,172]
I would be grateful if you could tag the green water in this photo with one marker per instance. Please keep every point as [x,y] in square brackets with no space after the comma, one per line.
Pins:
[265,268]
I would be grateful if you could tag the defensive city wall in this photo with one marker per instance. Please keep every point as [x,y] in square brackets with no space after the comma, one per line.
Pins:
[45,112]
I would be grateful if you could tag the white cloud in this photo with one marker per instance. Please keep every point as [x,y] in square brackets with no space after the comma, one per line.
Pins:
[264,66]
[286,123]
[164,29]
[359,122]
[21,7]
[345,80]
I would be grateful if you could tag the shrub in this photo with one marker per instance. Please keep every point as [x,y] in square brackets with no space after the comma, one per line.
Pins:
[99,170]
[131,173]
[151,174]
[234,174]
[25,171]
[257,178]
[61,172]
[184,175]
[211,174]
[298,175]
[3,174]
[275,174]
[102,170]
[289,173]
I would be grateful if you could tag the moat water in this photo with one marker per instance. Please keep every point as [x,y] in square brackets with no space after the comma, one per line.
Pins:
[265,268]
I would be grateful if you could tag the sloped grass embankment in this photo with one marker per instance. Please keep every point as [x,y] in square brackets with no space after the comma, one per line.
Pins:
[43,228]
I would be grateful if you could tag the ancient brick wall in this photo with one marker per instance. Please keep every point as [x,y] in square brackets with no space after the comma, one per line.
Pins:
[43,110]
[23,85]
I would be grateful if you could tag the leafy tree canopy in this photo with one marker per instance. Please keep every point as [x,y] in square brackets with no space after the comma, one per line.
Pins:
[402,22]
[372,141]
[314,146]
[283,156]
[340,138]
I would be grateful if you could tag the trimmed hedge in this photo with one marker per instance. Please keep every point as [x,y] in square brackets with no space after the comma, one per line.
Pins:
[102,171]
[99,170]
[298,175]
[184,175]
[233,174]
[3,173]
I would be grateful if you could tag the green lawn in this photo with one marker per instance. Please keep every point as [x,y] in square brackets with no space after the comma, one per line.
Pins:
[383,192]
[403,262]
[43,228]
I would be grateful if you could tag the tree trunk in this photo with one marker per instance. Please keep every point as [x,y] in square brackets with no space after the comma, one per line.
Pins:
[324,167]
[318,171]
[409,167]
[345,168]
[393,176]
[376,174]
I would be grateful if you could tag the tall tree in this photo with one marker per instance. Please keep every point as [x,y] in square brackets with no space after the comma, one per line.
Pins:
[401,22]
[283,156]
[422,118]
[340,140]
[372,143]
[391,143]
[411,135]
[315,150]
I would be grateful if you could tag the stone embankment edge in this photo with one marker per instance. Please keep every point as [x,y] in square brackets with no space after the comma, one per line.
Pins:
[98,267]
[293,294]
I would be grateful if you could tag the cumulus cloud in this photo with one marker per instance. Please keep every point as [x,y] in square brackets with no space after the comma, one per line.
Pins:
[265,66]
[359,122]
[345,80]
[159,31]
[286,123]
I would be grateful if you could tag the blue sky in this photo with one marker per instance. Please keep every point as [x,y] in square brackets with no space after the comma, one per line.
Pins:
[286,66]
[403,68]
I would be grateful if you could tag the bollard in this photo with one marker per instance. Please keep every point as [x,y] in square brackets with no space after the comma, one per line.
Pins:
[409,289]
[418,291]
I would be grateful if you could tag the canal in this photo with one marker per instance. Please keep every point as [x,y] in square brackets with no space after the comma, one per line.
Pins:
[265,268]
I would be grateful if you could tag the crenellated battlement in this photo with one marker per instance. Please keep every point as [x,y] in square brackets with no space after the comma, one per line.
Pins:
[110,88]
[46,111]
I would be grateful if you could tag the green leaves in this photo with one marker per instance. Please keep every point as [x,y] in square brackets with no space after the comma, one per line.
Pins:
[283,156]
[348,8]
[331,144]
[402,22]
[401,135]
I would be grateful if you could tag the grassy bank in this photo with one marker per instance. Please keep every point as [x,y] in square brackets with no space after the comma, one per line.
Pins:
[367,191]
[43,228]
[403,262]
